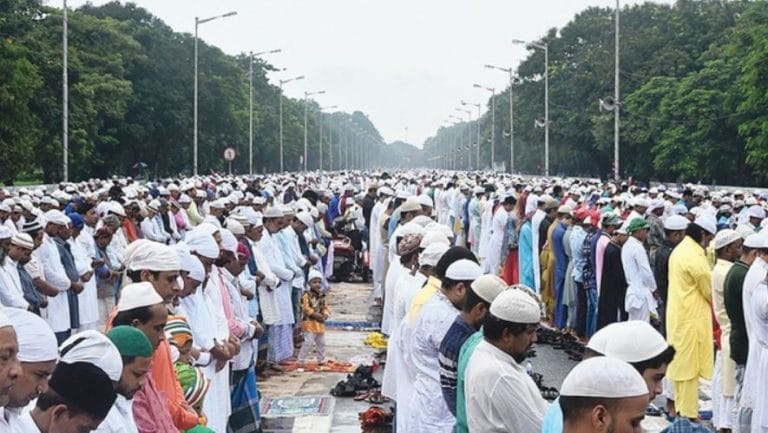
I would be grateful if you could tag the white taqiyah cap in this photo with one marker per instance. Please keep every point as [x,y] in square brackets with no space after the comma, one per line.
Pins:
[726,237]
[515,305]
[432,254]
[228,241]
[756,211]
[604,377]
[23,240]
[488,287]
[425,200]
[151,256]
[707,222]
[94,348]
[635,341]
[314,273]
[411,204]
[432,237]
[676,222]
[273,212]
[235,226]
[138,295]
[57,217]
[202,243]
[463,270]
[37,342]
[756,240]
[599,341]
[305,218]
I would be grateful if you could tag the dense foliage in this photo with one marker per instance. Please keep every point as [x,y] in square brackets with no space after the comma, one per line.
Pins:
[693,105]
[131,97]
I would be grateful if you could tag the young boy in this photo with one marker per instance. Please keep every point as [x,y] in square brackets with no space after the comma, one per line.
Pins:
[315,311]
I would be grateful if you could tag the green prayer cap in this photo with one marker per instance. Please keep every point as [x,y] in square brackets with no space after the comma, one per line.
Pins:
[637,224]
[130,341]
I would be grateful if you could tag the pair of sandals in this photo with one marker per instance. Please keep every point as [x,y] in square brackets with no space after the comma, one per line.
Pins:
[371,396]
[547,392]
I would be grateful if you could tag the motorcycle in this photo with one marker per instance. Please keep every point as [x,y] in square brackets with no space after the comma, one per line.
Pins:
[350,252]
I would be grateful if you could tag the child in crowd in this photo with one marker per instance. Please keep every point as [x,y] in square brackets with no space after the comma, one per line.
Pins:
[315,311]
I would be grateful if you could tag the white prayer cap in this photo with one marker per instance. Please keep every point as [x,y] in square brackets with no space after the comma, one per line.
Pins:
[57,217]
[745,231]
[273,212]
[756,240]
[218,204]
[305,218]
[228,241]
[433,236]
[750,201]
[756,211]
[676,222]
[185,258]
[385,190]
[635,341]
[23,240]
[411,204]
[432,254]
[422,220]
[207,227]
[259,200]
[197,271]
[726,237]
[599,341]
[515,305]
[463,270]
[425,200]
[707,222]
[656,204]
[314,273]
[151,256]
[408,229]
[138,295]
[117,209]
[154,205]
[37,342]
[488,287]
[640,202]
[202,243]
[604,377]
[234,226]
[94,348]
[5,232]
[183,199]
[478,190]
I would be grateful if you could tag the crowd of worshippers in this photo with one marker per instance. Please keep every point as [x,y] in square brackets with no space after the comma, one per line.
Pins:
[201,282]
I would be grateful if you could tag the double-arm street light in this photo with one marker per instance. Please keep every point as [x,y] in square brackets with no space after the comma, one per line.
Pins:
[251,59]
[306,97]
[280,96]
[493,121]
[545,48]
[511,73]
[199,21]
[477,130]
[320,141]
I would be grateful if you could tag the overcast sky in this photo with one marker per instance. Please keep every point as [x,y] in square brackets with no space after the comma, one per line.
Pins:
[406,63]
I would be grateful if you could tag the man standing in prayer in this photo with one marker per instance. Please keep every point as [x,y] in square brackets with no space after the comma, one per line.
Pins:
[674,232]
[689,315]
[640,301]
[501,396]
[613,286]
[561,263]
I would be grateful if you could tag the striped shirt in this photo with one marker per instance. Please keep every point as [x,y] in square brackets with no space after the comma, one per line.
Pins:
[450,348]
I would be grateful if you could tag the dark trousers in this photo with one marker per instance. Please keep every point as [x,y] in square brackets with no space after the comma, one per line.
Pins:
[581,310]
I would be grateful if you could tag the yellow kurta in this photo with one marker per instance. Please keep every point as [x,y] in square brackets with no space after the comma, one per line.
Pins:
[728,366]
[422,296]
[689,314]
[547,260]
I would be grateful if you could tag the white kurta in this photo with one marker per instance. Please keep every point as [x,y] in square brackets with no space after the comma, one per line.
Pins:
[756,313]
[538,217]
[55,275]
[485,231]
[11,291]
[390,292]
[120,418]
[217,404]
[498,228]
[270,312]
[84,251]
[639,301]
[277,264]
[500,395]
[377,254]
[430,413]
[25,424]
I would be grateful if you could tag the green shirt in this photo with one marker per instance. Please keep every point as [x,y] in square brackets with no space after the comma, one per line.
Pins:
[734,306]
[467,349]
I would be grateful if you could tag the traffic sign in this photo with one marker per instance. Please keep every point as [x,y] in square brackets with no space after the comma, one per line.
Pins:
[229,153]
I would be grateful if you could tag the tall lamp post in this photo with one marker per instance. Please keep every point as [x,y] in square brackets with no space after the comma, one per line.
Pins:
[65,95]
[477,130]
[511,73]
[320,141]
[493,121]
[616,101]
[199,21]
[306,97]
[544,47]
[469,135]
[252,57]
[280,95]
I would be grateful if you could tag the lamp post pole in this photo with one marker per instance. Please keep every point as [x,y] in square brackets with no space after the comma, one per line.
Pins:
[511,73]
[252,56]
[617,103]
[320,141]
[306,97]
[493,121]
[65,94]
[469,135]
[545,48]
[280,95]
[199,21]
[477,130]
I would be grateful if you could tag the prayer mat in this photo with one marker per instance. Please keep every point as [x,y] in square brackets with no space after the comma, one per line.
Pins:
[291,406]
[352,326]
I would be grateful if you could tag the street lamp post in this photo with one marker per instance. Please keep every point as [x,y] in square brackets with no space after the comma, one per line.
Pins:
[493,121]
[199,21]
[306,97]
[544,47]
[616,101]
[477,130]
[280,95]
[252,56]
[511,73]
[65,95]
[469,135]
[320,141]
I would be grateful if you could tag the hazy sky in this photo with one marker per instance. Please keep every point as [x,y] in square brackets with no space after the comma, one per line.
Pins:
[406,63]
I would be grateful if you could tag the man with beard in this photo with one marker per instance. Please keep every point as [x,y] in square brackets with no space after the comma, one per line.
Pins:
[501,396]
[430,412]
[136,352]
